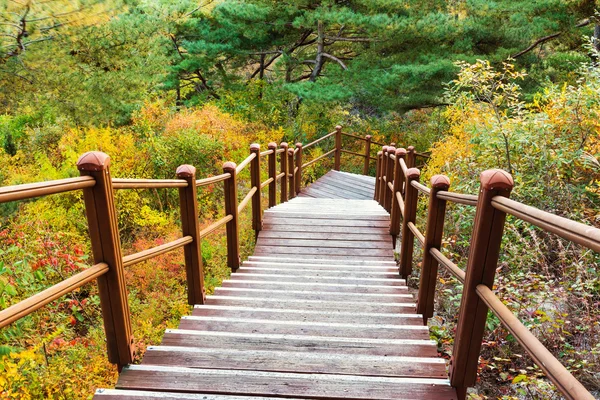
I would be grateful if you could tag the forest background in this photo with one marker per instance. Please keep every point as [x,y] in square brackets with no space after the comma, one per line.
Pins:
[157,83]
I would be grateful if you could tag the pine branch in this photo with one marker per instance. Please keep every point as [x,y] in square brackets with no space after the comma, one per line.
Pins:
[544,39]
[334,58]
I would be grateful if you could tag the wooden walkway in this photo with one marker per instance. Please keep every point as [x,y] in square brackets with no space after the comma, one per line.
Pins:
[329,319]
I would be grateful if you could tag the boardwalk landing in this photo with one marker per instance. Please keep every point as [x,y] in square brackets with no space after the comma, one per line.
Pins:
[328,319]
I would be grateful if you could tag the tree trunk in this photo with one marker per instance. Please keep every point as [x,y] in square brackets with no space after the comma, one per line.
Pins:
[320,50]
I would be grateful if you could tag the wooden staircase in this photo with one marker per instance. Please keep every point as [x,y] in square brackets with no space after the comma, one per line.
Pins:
[328,319]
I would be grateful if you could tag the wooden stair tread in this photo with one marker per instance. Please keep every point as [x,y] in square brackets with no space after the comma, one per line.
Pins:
[112,394]
[307,315]
[255,274]
[323,386]
[284,284]
[303,362]
[305,343]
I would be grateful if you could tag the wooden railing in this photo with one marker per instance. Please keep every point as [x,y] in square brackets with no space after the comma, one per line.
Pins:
[398,189]
[109,264]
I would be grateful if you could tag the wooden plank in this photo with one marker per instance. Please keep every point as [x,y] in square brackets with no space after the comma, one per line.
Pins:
[315,295]
[380,266]
[325,188]
[356,177]
[300,260]
[299,343]
[116,394]
[307,315]
[285,216]
[350,181]
[269,220]
[341,258]
[279,361]
[312,286]
[332,243]
[345,252]
[306,227]
[277,276]
[311,304]
[147,377]
[318,192]
[351,186]
[391,275]
[324,236]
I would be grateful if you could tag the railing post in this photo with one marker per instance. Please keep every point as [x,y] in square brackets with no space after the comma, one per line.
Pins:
[192,252]
[106,248]
[272,174]
[433,240]
[481,268]
[255,183]
[299,166]
[398,183]
[410,157]
[410,213]
[291,174]
[367,155]
[377,175]
[231,208]
[389,176]
[383,169]
[283,168]
[338,147]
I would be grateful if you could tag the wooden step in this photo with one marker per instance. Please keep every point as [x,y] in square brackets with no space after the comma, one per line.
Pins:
[304,343]
[350,236]
[297,327]
[316,295]
[276,275]
[116,394]
[340,305]
[324,386]
[279,361]
[331,261]
[355,273]
[284,284]
[324,243]
[307,315]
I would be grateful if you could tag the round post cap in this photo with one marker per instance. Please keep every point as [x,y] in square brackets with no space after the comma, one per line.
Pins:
[391,150]
[384,149]
[440,182]
[186,171]
[413,173]
[368,137]
[496,179]
[229,165]
[338,128]
[299,145]
[93,161]
[255,147]
[400,152]
[283,145]
[272,145]
[411,149]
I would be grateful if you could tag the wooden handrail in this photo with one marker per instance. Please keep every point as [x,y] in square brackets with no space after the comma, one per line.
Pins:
[266,153]
[449,265]
[281,175]
[577,232]
[215,225]
[30,190]
[212,179]
[318,140]
[459,198]
[266,183]
[353,153]
[554,370]
[244,163]
[420,237]
[354,136]
[39,300]
[421,188]
[144,255]
[246,199]
[330,152]
[125,183]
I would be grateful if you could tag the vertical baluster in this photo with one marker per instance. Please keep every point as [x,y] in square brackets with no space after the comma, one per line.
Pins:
[106,248]
[291,174]
[377,176]
[396,214]
[481,268]
[283,158]
[272,174]
[367,155]
[433,240]
[383,167]
[410,157]
[410,213]
[338,147]
[188,206]
[389,177]
[255,183]
[231,208]
[299,166]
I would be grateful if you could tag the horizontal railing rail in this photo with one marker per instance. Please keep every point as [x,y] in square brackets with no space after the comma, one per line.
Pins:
[119,183]
[397,188]
[31,190]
